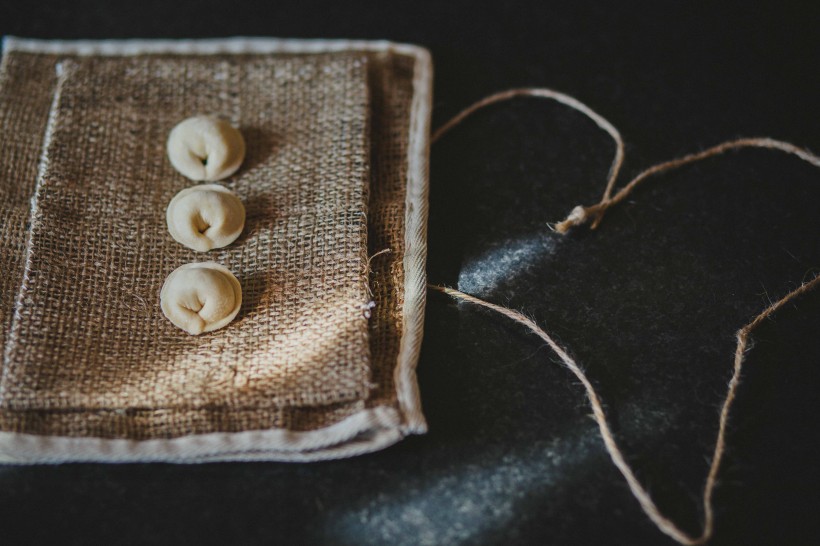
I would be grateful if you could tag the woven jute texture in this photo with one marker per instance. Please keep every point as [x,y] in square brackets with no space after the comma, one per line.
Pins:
[88,352]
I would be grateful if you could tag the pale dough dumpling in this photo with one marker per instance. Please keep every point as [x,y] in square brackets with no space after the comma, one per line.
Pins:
[205,217]
[201,297]
[206,148]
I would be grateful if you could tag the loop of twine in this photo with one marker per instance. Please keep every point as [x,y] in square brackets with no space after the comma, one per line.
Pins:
[581,215]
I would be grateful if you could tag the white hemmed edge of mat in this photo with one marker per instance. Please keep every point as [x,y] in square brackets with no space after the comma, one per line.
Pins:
[369,430]
[360,433]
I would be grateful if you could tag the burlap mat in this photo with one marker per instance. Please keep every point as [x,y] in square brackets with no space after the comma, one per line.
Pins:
[330,133]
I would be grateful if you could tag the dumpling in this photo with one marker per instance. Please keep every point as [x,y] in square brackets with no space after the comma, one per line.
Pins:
[206,148]
[201,297]
[205,217]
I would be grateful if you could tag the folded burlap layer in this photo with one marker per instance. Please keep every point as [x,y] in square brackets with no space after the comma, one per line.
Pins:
[333,144]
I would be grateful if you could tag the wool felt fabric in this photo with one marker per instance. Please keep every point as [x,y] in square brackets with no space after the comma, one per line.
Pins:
[320,361]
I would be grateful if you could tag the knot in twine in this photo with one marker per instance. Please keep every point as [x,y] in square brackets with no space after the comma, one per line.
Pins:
[580,215]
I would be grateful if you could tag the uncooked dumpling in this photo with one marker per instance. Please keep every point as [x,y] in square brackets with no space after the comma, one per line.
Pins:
[206,148]
[205,217]
[201,297]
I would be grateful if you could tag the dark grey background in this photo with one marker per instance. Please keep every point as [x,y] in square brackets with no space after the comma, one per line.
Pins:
[648,303]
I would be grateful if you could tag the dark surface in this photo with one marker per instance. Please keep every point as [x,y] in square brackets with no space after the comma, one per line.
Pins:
[648,303]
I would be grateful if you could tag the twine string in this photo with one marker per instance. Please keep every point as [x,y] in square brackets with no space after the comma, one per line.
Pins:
[581,215]
[557,96]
